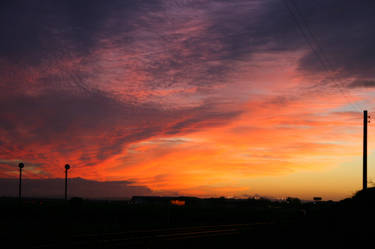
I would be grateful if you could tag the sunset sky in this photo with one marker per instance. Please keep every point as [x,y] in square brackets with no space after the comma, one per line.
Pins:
[180,97]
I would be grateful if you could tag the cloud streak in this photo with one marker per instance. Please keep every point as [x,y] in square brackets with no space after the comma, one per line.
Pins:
[180,94]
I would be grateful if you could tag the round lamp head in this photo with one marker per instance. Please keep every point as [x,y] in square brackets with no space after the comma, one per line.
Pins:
[21,165]
[67,166]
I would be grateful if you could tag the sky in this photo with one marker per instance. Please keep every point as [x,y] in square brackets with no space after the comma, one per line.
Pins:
[179,97]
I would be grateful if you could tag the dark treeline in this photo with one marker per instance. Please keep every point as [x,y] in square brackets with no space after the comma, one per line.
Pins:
[46,220]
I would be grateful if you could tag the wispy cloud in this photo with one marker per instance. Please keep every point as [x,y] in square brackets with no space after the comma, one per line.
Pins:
[180,94]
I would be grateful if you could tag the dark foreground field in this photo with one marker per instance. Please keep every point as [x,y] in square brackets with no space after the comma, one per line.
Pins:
[217,223]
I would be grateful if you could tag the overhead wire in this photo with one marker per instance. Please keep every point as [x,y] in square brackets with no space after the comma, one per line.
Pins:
[317,50]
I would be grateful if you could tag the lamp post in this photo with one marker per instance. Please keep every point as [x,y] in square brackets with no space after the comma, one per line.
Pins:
[67,167]
[20,165]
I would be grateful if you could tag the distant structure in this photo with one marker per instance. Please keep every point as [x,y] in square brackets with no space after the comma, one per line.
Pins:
[20,165]
[67,167]
[316,199]
[178,202]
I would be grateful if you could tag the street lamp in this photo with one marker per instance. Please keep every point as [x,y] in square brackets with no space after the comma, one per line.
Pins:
[67,167]
[20,165]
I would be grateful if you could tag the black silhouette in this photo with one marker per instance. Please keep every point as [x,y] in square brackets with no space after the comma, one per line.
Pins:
[365,122]
[67,167]
[161,222]
[20,165]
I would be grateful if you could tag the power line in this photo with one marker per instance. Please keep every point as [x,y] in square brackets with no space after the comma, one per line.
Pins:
[325,59]
[316,49]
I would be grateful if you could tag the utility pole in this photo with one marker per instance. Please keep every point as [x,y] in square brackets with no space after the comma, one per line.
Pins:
[20,165]
[67,166]
[365,121]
